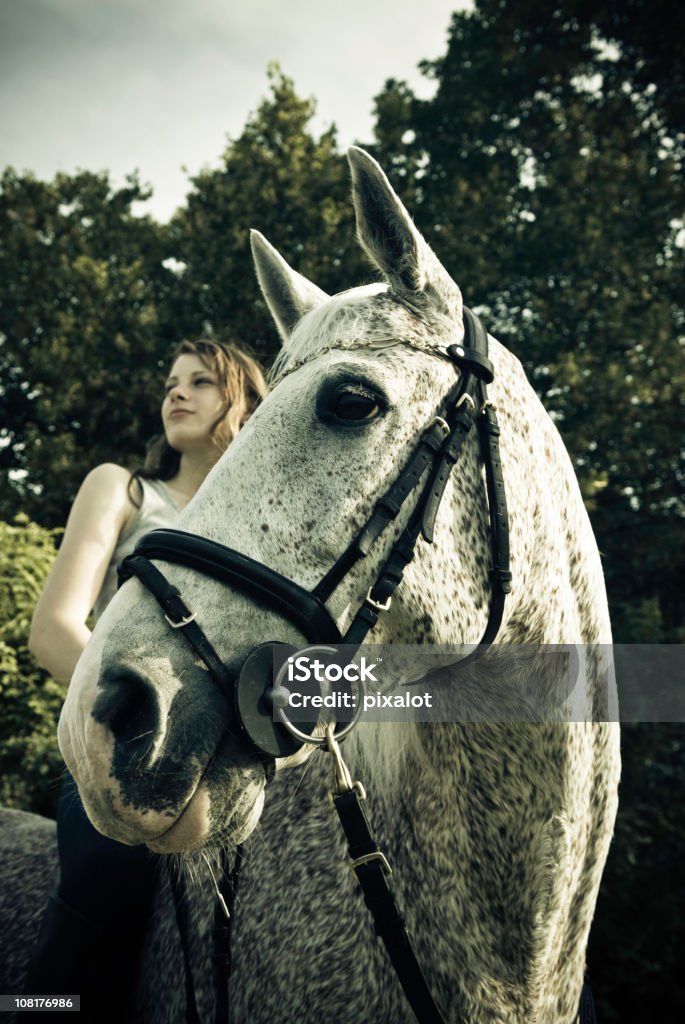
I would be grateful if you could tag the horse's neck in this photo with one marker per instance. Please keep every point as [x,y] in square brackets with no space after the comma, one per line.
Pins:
[489,861]
[558,593]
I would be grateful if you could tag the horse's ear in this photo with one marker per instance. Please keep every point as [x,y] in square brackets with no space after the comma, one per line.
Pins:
[288,294]
[388,236]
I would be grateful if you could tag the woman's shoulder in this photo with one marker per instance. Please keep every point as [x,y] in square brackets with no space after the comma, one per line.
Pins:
[108,475]
[108,481]
[107,488]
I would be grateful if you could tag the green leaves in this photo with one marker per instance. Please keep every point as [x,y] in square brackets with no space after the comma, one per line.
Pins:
[292,187]
[93,297]
[30,701]
[80,281]
[548,177]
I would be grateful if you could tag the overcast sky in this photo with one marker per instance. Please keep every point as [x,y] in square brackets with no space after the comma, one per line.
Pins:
[158,85]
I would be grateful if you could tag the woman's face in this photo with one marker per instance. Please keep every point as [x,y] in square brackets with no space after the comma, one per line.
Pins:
[192,404]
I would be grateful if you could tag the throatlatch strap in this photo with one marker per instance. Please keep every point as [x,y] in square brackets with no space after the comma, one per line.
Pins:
[372,871]
[497,499]
[500,573]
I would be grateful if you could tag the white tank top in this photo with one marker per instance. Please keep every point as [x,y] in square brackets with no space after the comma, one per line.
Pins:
[157,509]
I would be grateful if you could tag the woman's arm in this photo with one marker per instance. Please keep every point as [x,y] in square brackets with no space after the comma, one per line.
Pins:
[101,512]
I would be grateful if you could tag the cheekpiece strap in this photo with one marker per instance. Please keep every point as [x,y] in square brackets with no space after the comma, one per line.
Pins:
[387,508]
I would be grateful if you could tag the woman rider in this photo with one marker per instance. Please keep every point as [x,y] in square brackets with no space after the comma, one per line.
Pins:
[92,931]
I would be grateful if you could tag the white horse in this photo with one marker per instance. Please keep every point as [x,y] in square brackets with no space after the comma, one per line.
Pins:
[497,833]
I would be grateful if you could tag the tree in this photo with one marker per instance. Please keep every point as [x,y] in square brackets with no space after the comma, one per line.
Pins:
[80,344]
[547,171]
[94,297]
[649,34]
[276,177]
[637,939]
[550,183]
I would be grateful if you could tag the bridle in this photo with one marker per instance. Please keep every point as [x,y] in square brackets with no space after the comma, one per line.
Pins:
[427,471]
[249,692]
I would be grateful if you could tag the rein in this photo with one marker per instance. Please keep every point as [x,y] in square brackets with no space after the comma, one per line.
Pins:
[251,699]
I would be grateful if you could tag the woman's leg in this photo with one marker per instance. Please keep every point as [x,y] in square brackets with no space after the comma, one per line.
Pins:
[91,936]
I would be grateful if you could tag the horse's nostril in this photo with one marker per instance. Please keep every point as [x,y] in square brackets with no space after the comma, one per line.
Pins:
[127,705]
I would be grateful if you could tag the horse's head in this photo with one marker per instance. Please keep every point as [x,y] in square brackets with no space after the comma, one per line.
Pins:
[360,377]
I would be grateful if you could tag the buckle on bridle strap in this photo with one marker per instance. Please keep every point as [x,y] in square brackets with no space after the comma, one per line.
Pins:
[367,858]
[182,622]
[380,606]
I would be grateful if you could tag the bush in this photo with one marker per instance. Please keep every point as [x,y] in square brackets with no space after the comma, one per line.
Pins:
[30,700]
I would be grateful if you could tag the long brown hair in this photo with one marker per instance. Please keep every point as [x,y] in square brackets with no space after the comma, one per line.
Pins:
[242,387]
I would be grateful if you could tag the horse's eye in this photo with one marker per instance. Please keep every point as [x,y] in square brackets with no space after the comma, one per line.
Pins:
[355,405]
[350,403]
